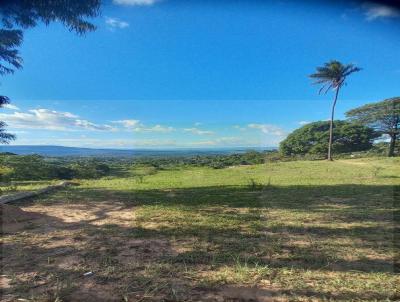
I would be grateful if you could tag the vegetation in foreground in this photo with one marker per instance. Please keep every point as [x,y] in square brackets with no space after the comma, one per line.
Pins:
[294,231]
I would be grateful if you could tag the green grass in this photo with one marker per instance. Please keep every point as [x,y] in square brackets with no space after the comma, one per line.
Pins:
[17,186]
[364,171]
[298,230]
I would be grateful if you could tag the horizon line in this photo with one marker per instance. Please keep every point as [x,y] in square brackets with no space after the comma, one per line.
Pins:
[146,148]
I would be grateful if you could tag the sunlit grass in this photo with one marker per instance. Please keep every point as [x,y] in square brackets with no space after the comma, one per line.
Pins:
[360,171]
[16,186]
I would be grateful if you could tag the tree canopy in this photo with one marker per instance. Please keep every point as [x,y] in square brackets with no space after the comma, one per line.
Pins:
[17,15]
[383,116]
[36,167]
[313,138]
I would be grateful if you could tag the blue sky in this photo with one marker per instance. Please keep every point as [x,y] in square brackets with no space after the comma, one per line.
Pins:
[167,74]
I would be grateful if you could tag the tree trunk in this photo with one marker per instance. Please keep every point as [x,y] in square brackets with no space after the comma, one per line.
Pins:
[392,145]
[331,125]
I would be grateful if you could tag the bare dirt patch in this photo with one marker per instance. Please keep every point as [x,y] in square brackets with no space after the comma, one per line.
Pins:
[47,249]
[86,252]
[13,218]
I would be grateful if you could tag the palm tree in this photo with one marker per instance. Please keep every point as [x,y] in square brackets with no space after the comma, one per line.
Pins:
[333,76]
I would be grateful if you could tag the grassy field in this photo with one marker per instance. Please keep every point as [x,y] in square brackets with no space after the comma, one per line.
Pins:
[17,186]
[286,231]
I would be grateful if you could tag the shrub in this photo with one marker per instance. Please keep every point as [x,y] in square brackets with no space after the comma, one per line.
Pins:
[312,139]
[35,167]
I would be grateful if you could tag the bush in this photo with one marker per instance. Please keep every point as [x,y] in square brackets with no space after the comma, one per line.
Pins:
[312,139]
[91,168]
[212,161]
[28,167]
[35,167]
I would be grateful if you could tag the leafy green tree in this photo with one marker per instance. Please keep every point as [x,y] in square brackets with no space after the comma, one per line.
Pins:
[383,116]
[18,15]
[91,168]
[5,137]
[36,167]
[333,76]
[313,138]
[27,167]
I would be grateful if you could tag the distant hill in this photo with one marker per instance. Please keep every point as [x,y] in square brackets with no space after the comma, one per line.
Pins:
[59,151]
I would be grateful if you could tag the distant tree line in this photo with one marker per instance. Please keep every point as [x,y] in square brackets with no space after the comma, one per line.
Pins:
[34,167]
[212,161]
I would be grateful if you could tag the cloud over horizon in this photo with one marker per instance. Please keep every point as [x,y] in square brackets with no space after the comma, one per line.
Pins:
[50,120]
[11,107]
[131,132]
[222,141]
[268,129]
[137,126]
[198,131]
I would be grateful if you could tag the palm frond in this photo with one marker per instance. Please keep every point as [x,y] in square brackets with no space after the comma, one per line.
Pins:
[332,75]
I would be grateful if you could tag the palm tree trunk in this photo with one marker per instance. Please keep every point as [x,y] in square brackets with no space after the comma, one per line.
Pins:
[392,145]
[393,136]
[331,124]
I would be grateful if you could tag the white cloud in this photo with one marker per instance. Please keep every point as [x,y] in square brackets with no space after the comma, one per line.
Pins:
[304,123]
[268,129]
[99,143]
[236,142]
[159,128]
[84,141]
[198,131]
[238,127]
[113,23]
[10,106]
[46,119]
[50,120]
[135,125]
[135,2]
[128,123]
[223,141]
[373,11]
